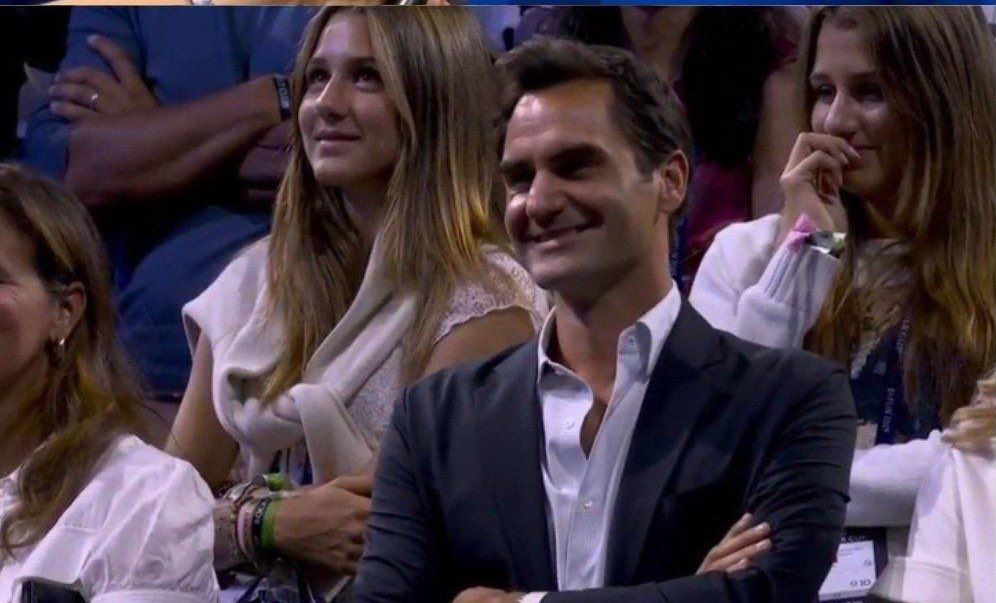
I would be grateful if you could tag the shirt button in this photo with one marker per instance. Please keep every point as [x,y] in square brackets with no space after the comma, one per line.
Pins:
[587,505]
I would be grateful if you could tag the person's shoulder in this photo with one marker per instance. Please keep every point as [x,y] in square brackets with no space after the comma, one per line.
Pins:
[777,369]
[132,475]
[738,254]
[452,393]
[477,373]
[132,467]
[500,283]
[764,355]
[499,257]
[502,262]
[755,234]
[248,267]
[229,302]
[498,260]
[777,388]
[146,492]
[148,508]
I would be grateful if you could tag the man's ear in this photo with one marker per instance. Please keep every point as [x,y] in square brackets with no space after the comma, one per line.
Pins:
[69,310]
[672,178]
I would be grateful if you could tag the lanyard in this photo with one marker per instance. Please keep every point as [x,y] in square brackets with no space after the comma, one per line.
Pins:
[895,398]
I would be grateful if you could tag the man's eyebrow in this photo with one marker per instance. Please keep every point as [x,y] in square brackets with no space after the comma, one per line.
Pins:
[578,152]
[581,151]
[507,167]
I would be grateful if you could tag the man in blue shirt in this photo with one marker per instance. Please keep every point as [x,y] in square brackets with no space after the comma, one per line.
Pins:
[168,124]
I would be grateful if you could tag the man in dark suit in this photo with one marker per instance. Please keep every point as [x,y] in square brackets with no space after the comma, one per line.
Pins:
[601,461]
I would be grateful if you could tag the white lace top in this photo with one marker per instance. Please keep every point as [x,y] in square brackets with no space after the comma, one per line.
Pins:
[372,406]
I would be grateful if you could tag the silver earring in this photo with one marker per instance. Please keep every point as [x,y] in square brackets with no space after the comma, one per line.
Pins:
[62,345]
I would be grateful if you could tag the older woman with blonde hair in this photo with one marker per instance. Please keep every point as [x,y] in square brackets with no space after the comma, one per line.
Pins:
[387,262]
[84,504]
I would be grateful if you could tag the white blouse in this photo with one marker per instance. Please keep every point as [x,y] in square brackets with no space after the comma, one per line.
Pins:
[139,532]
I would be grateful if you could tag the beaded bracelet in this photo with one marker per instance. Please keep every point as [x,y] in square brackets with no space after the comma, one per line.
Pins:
[244,522]
[244,531]
[227,554]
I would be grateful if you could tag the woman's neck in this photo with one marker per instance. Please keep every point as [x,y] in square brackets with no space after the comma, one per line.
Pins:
[876,224]
[365,207]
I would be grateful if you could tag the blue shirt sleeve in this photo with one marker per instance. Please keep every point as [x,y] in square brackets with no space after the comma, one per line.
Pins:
[47,139]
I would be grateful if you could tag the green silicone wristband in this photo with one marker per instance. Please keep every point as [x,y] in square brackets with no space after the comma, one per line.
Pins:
[276,482]
[267,539]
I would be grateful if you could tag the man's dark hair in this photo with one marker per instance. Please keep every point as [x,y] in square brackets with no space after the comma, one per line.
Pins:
[644,107]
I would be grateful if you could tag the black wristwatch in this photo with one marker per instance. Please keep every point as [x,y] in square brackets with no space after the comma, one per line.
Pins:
[282,84]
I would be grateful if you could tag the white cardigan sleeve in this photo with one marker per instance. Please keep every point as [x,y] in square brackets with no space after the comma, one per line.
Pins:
[772,296]
[767,295]
[885,480]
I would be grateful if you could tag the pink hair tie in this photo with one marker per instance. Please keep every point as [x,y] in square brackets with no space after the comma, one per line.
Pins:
[804,227]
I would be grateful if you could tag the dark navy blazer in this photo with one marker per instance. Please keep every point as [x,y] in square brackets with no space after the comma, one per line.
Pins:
[725,427]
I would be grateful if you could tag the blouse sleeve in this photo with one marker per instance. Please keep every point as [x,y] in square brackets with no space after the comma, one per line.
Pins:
[506,285]
[157,542]
[763,294]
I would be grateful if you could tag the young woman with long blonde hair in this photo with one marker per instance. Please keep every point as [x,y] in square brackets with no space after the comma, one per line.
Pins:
[885,254]
[386,263]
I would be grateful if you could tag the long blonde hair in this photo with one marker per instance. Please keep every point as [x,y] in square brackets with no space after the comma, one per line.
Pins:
[938,66]
[92,394]
[441,197]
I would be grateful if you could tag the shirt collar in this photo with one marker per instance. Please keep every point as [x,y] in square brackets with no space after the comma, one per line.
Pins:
[651,331]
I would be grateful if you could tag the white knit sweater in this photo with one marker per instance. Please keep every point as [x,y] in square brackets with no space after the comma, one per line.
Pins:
[772,296]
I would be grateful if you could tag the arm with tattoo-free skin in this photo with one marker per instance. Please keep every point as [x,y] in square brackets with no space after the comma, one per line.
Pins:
[106,133]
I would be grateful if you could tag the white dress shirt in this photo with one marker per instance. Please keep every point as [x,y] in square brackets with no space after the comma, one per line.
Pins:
[581,491]
[139,532]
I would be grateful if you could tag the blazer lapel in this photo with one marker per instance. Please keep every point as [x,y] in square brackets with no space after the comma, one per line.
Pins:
[676,395]
[510,436]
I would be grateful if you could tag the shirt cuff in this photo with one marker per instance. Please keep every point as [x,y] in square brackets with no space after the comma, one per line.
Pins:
[799,276]
[532,598]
